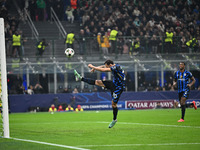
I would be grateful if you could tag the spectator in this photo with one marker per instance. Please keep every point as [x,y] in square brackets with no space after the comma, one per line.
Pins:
[137,22]
[30,90]
[69,108]
[3,12]
[169,40]
[38,89]
[137,45]
[192,44]
[23,41]
[113,39]
[60,108]
[105,45]
[41,5]
[75,91]
[52,109]
[49,4]
[120,44]
[99,41]
[70,40]
[69,13]
[161,27]
[41,47]
[16,50]
[82,41]
[32,8]
[154,44]
[158,106]
[66,90]
[8,36]
[21,89]
[58,7]
[84,18]
[74,5]
[183,44]
[136,12]
[79,108]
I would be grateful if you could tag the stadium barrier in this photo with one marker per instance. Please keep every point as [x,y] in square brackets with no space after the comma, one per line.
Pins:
[97,101]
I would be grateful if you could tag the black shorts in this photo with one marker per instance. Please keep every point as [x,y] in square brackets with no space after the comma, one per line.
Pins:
[115,91]
[183,94]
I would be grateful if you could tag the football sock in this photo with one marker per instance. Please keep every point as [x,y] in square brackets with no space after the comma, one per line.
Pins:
[88,80]
[115,111]
[183,111]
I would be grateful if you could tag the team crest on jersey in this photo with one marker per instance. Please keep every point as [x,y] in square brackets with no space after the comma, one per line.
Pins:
[184,74]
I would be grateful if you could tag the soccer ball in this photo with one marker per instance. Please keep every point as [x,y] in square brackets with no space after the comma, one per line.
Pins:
[69,52]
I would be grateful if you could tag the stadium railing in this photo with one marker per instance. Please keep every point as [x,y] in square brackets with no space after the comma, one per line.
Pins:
[90,47]
[142,75]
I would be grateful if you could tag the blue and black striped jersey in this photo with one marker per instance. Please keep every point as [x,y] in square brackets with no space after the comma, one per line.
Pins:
[118,76]
[182,80]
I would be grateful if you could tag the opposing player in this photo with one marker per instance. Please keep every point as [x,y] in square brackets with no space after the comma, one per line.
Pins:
[116,86]
[181,79]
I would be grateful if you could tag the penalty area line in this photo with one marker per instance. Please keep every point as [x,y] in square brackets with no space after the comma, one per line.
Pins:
[50,144]
[144,124]
[127,145]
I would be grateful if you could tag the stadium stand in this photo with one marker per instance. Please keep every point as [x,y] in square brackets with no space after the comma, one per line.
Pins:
[167,33]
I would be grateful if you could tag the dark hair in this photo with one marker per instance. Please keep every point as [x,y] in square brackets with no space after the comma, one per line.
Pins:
[182,63]
[108,62]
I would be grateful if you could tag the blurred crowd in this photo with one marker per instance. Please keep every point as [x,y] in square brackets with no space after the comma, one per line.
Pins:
[147,19]
[141,17]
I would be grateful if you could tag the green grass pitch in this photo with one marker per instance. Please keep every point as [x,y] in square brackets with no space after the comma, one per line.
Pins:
[135,129]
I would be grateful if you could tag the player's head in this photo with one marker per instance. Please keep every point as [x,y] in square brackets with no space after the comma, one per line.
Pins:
[182,65]
[108,63]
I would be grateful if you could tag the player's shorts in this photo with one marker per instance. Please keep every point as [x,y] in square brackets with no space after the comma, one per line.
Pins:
[115,91]
[183,94]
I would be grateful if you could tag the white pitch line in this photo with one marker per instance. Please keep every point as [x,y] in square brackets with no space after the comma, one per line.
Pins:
[126,145]
[51,144]
[146,124]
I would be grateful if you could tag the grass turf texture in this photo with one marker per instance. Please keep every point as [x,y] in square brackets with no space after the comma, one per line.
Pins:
[137,129]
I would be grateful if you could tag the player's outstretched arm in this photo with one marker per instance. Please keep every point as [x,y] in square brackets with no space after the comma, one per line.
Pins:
[102,66]
[99,68]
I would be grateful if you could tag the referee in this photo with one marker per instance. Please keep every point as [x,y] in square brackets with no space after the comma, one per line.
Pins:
[181,79]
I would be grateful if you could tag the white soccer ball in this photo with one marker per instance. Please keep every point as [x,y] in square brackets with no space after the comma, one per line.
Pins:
[69,52]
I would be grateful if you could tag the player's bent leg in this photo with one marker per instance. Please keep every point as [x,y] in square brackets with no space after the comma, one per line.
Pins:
[183,100]
[194,105]
[78,77]
[99,83]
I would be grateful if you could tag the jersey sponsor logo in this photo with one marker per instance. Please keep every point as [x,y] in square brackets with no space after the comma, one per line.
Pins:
[182,79]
